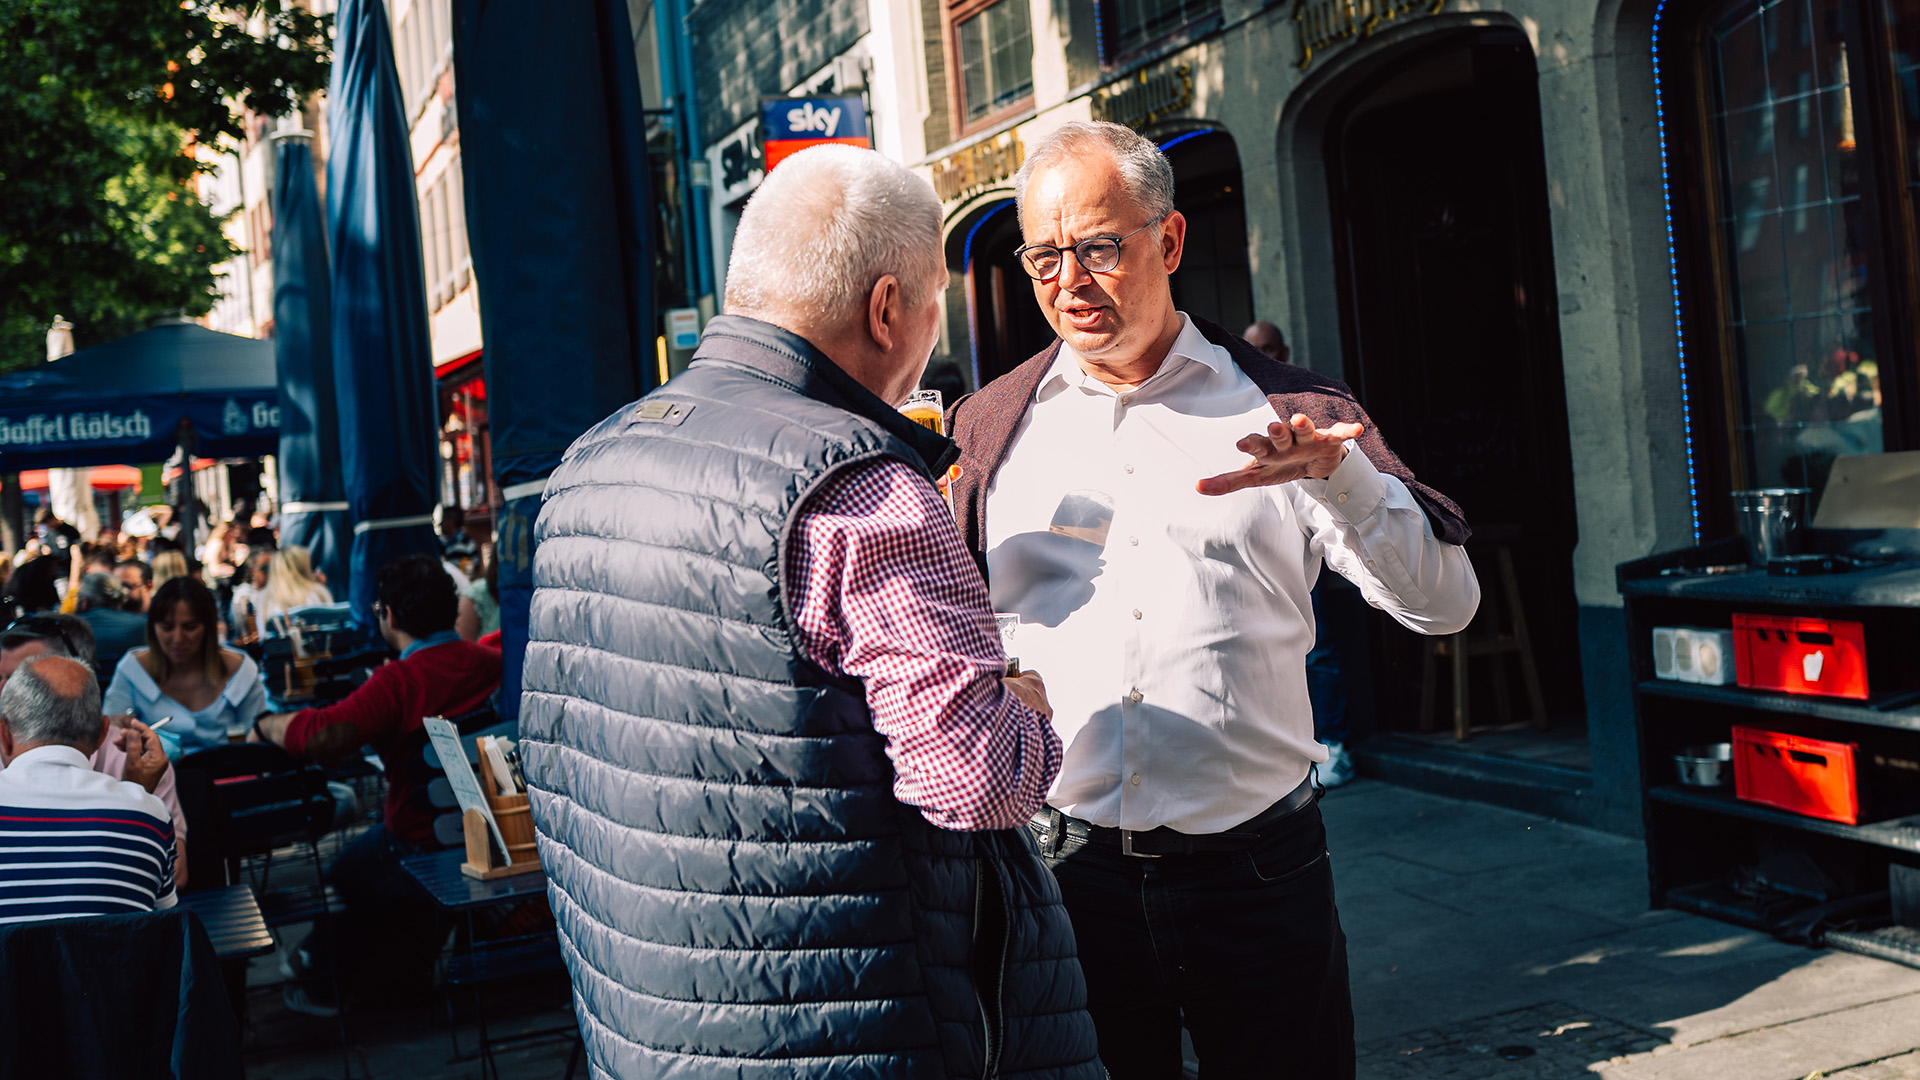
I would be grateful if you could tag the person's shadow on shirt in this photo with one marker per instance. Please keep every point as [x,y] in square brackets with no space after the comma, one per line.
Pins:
[1043,577]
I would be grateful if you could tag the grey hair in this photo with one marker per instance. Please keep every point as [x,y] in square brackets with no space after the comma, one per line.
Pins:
[1144,170]
[102,591]
[39,713]
[823,228]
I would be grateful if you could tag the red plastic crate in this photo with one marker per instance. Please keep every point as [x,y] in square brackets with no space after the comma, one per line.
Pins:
[1807,776]
[1800,656]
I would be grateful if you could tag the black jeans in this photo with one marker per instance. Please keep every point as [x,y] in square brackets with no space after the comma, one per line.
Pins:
[1246,945]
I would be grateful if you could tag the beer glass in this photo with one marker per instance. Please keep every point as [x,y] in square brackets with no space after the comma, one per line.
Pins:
[926,408]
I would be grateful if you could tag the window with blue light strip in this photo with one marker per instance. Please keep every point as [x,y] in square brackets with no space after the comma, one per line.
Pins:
[1796,214]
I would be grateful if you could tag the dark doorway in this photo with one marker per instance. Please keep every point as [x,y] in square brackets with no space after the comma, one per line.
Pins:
[1004,325]
[1449,319]
[1214,281]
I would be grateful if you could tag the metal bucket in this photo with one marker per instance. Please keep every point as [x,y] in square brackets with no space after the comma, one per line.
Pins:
[1772,519]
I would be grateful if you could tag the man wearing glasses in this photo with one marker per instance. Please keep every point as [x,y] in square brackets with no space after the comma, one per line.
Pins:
[1174,629]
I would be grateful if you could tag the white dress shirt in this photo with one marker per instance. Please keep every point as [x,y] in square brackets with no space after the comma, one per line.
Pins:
[1174,647]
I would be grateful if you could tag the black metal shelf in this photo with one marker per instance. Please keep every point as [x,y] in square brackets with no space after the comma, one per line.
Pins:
[1898,834]
[1900,944]
[1896,586]
[1907,719]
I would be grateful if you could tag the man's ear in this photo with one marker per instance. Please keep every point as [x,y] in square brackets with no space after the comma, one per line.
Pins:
[1173,240]
[883,312]
[6,741]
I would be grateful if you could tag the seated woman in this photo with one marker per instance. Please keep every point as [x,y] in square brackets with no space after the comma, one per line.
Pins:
[291,585]
[185,674]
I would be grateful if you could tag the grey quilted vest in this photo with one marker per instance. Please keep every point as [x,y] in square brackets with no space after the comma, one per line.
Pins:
[738,892]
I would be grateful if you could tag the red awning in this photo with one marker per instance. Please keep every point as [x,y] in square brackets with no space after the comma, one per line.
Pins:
[103,478]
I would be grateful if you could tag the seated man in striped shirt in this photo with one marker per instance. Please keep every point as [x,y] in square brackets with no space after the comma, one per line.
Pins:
[72,841]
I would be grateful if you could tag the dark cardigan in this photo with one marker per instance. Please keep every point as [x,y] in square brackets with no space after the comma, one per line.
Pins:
[984,423]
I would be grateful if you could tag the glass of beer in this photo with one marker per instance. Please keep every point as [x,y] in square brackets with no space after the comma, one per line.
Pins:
[927,409]
[1008,625]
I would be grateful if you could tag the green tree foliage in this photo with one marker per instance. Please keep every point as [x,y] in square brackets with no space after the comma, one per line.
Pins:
[101,103]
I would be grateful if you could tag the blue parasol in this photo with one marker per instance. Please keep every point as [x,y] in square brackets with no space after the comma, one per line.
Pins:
[313,508]
[383,363]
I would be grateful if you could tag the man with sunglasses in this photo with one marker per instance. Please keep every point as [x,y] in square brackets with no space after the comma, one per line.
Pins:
[1155,498]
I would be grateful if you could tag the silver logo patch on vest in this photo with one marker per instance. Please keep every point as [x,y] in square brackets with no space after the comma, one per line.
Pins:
[662,412]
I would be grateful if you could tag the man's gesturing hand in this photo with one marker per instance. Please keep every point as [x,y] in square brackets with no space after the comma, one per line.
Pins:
[1286,452]
[146,755]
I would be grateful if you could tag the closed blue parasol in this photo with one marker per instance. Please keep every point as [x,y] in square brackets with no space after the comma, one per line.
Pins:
[383,363]
[559,221]
[313,506]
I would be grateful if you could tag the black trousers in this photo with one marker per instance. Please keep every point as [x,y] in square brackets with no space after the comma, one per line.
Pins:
[1245,945]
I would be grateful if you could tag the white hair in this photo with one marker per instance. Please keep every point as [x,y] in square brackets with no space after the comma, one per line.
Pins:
[1144,170]
[826,225]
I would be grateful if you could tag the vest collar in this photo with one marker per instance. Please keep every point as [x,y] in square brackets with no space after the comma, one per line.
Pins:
[786,358]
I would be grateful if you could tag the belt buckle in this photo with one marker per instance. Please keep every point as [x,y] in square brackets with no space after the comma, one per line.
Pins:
[1126,846]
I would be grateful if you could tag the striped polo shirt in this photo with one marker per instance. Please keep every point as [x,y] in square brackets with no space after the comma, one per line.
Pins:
[77,842]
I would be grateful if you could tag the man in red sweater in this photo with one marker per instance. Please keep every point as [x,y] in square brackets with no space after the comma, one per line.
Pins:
[437,674]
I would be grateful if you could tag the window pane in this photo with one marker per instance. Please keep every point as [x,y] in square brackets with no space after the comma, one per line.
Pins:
[1136,22]
[1794,259]
[996,58]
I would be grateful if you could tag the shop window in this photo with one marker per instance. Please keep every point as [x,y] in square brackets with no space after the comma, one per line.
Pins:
[993,47]
[1134,23]
[1803,222]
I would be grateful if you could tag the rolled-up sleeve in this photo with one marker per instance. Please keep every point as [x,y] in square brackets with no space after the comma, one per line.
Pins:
[882,588]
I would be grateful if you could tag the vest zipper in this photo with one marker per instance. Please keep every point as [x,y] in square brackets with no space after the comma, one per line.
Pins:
[989,968]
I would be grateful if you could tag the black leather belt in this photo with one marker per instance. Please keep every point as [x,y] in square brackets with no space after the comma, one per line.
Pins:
[1053,829]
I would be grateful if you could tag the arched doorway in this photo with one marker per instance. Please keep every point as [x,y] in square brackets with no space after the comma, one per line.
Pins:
[1449,330]
[997,326]
[1214,280]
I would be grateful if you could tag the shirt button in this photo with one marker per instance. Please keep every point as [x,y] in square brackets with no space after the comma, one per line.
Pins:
[1342,497]
[1126,400]
[1369,564]
[1129,469]
[1135,697]
[1133,540]
[1136,613]
[1136,779]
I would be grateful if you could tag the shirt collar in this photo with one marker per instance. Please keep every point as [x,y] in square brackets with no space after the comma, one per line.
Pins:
[53,755]
[429,642]
[1189,344]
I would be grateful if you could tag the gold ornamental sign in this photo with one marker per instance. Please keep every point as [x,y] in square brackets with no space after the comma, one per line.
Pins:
[1146,98]
[978,167]
[1325,23]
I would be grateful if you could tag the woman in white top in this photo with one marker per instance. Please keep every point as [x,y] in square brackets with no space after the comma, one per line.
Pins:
[291,585]
[183,673]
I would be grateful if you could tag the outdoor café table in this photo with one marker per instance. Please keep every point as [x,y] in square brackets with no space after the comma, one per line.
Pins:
[233,921]
[481,962]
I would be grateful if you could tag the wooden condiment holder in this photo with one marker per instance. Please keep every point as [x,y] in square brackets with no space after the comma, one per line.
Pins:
[514,816]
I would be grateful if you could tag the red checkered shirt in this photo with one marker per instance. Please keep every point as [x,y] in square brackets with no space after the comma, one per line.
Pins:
[883,590]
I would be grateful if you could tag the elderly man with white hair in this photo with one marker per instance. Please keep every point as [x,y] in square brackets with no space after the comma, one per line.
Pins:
[779,772]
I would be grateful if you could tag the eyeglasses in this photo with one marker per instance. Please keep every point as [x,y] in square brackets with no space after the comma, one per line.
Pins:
[1097,254]
[36,628]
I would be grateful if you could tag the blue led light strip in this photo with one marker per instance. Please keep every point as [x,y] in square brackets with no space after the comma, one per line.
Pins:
[1178,139]
[973,305]
[1673,275]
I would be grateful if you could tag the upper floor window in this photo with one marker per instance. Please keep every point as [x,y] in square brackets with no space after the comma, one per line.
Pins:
[994,47]
[1133,23]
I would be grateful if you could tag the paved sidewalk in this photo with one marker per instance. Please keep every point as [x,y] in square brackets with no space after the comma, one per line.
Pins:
[1474,930]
